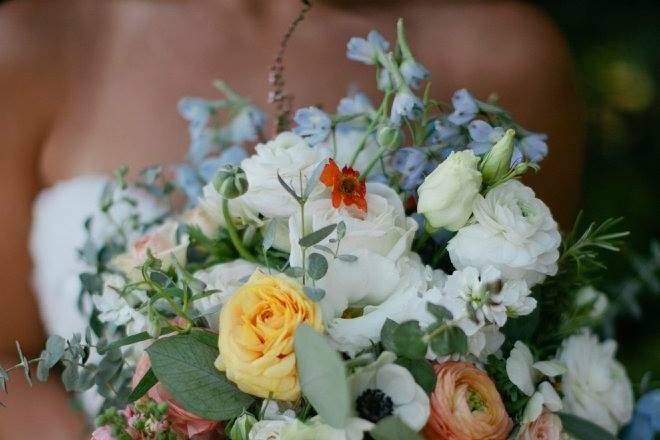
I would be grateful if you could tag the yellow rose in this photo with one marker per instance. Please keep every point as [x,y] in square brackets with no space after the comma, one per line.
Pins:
[257,326]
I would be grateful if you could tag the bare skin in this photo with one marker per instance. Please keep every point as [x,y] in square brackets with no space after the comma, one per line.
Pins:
[87,86]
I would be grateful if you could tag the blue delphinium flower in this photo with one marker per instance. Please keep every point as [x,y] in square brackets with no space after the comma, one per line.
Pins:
[366,50]
[413,73]
[645,423]
[197,112]
[231,156]
[245,126]
[313,124]
[533,147]
[448,135]
[405,105]
[483,135]
[411,163]
[189,182]
[465,107]
[356,103]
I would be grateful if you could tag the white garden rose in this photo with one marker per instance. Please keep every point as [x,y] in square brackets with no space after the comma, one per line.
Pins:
[163,245]
[447,194]
[289,155]
[513,231]
[418,285]
[378,239]
[596,386]
[225,278]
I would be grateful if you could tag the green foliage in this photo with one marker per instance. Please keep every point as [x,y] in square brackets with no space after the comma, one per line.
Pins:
[421,370]
[317,266]
[322,376]
[185,367]
[581,429]
[447,340]
[392,428]
[146,383]
[514,399]
[317,236]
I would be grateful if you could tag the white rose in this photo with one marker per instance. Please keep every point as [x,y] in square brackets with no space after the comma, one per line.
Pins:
[346,142]
[226,278]
[289,155]
[417,286]
[513,231]
[162,243]
[447,194]
[596,386]
[378,240]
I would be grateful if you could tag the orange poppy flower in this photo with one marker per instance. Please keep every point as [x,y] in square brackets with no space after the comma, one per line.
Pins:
[346,186]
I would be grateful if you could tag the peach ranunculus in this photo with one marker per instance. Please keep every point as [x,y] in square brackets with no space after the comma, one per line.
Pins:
[465,405]
[162,243]
[257,326]
[181,421]
[547,427]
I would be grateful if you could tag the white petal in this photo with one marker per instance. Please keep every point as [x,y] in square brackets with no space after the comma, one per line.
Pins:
[397,382]
[533,409]
[550,368]
[416,413]
[551,399]
[519,368]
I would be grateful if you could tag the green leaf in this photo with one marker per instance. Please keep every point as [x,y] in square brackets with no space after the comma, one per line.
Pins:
[288,188]
[316,294]
[341,230]
[55,346]
[322,376]
[184,366]
[449,340]
[347,258]
[392,428]
[582,429]
[148,380]
[408,340]
[387,335]
[128,340]
[269,236]
[440,313]
[317,236]
[422,371]
[522,328]
[294,272]
[91,282]
[206,337]
[318,266]
[313,179]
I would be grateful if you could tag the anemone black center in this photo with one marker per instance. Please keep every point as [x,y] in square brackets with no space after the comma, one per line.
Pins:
[374,405]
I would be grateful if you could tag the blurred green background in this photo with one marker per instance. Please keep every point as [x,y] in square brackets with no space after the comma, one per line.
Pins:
[616,47]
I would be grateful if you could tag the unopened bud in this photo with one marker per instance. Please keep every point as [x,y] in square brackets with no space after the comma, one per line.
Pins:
[390,137]
[497,162]
[230,182]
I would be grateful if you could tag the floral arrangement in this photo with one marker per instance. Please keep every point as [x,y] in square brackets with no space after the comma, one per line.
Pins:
[379,272]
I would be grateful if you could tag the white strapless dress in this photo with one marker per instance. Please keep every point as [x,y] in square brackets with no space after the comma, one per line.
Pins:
[57,233]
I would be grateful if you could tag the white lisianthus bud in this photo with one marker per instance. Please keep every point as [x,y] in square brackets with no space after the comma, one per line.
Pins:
[447,194]
[497,162]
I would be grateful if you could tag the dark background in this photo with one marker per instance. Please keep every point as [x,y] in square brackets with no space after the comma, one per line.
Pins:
[616,48]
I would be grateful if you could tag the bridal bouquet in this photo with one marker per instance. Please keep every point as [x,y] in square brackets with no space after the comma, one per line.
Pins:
[378,272]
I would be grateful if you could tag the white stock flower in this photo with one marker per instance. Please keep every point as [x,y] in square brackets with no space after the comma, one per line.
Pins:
[390,388]
[595,299]
[513,231]
[289,155]
[596,386]
[525,374]
[162,243]
[378,240]
[475,299]
[226,278]
[447,194]
[417,286]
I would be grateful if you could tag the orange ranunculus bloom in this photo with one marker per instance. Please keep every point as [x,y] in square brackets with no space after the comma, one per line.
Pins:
[465,405]
[347,188]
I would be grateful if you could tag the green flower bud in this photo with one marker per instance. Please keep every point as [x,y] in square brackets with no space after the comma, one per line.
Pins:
[230,182]
[240,430]
[497,162]
[390,137]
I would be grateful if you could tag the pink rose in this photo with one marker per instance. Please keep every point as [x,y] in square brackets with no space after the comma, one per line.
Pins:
[465,405]
[181,420]
[547,427]
[102,433]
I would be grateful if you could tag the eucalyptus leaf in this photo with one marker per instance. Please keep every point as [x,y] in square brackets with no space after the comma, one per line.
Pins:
[582,429]
[439,312]
[408,340]
[421,370]
[392,428]
[341,230]
[91,282]
[449,340]
[317,236]
[325,249]
[294,272]
[70,376]
[313,179]
[318,266]
[4,378]
[348,258]
[316,294]
[185,367]
[322,376]
[55,346]
[269,235]
[288,188]
[387,335]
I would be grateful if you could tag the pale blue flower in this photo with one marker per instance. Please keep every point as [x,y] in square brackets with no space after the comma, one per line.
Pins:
[412,163]
[413,73]
[366,50]
[483,135]
[231,156]
[645,423]
[384,80]
[189,182]
[358,103]
[246,125]
[201,145]
[313,124]
[405,105]
[448,134]
[533,147]
[197,112]
[465,107]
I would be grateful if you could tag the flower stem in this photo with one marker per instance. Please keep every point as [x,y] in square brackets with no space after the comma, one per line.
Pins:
[233,234]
